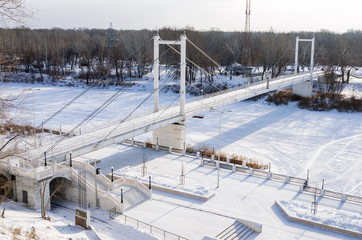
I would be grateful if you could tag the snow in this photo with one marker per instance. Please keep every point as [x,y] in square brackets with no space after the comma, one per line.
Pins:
[291,139]
[26,223]
[18,216]
[166,181]
[239,196]
[326,215]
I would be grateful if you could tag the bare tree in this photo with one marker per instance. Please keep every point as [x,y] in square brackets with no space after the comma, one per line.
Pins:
[5,188]
[44,204]
[14,11]
[8,146]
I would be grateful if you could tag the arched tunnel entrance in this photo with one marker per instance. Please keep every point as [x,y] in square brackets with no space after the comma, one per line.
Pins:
[6,188]
[58,190]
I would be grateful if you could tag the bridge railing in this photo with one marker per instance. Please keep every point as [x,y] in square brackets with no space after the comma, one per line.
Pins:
[221,98]
[282,79]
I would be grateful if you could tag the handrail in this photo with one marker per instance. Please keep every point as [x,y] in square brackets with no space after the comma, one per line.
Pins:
[89,168]
[150,228]
[101,193]
[106,181]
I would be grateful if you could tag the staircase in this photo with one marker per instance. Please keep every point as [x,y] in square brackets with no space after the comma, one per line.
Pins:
[134,192]
[131,196]
[237,231]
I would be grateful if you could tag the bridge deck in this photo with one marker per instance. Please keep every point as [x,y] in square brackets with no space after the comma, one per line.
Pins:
[121,131]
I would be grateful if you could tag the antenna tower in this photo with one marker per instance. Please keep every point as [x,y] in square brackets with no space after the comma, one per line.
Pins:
[247,48]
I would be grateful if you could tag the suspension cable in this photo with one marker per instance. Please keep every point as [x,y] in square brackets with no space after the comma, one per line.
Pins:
[208,74]
[85,91]
[139,105]
[95,112]
[123,120]
[212,60]
[62,108]
[200,69]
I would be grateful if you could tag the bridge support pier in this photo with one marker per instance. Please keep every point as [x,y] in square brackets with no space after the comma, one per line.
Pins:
[173,135]
[303,89]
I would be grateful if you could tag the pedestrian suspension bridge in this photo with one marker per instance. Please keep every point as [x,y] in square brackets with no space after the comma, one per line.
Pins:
[48,162]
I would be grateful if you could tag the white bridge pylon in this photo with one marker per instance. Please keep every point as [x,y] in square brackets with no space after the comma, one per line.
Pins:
[311,54]
[156,52]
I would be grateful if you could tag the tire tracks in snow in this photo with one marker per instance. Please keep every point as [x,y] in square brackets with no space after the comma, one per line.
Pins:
[321,149]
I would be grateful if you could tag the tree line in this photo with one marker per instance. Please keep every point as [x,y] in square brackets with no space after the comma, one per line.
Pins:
[116,54]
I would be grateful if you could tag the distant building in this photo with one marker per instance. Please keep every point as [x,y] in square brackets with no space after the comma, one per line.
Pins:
[237,70]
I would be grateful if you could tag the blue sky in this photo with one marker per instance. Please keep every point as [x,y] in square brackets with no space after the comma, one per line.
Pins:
[227,15]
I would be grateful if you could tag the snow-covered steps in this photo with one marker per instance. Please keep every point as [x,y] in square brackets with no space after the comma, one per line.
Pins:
[236,231]
[131,196]
[91,179]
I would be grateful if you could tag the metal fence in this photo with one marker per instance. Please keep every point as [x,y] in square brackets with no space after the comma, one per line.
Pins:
[313,190]
[297,180]
[332,194]
[257,172]
[354,198]
[149,228]
[260,173]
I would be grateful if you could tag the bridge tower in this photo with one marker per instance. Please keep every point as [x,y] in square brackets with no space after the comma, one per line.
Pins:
[304,89]
[173,135]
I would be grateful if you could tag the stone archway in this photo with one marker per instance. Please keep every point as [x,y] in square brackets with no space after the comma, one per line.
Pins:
[5,187]
[58,188]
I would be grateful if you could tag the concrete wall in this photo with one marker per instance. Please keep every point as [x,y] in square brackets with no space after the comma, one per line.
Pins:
[173,135]
[303,89]
[32,188]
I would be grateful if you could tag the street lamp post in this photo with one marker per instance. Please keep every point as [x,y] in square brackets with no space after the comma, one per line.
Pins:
[112,174]
[218,159]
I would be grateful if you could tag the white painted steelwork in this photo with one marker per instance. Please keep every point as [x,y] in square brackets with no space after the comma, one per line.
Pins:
[311,54]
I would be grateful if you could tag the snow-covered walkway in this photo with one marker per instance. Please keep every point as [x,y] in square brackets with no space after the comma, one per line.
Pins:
[239,196]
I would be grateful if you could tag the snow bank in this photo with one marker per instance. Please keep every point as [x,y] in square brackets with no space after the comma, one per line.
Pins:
[22,223]
[167,181]
[327,216]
